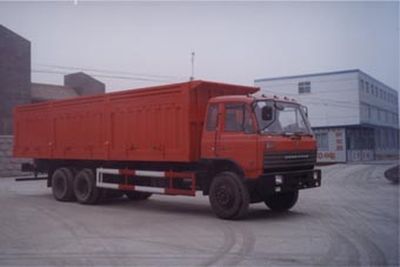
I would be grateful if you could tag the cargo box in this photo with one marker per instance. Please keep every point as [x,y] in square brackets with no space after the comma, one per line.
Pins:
[161,123]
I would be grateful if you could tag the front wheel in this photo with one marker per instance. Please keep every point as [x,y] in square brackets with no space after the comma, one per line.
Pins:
[280,202]
[229,197]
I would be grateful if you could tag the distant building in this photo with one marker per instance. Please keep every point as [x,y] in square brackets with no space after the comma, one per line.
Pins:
[15,75]
[354,116]
[15,80]
[44,92]
[75,84]
[16,89]
[84,84]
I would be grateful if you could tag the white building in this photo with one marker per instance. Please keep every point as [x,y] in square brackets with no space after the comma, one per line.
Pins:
[354,116]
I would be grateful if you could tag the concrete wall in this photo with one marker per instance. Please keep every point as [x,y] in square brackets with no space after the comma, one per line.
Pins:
[15,75]
[9,166]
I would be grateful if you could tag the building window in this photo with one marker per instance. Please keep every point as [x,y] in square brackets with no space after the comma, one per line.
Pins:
[378,137]
[322,141]
[392,137]
[304,87]
[362,85]
[386,138]
[369,112]
[367,87]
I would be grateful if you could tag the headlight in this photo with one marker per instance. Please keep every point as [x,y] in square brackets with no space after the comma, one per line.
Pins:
[278,179]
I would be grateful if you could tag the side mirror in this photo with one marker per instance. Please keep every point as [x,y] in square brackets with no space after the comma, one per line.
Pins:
[267,113]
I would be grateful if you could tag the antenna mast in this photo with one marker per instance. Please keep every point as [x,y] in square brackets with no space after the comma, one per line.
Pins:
[192,60]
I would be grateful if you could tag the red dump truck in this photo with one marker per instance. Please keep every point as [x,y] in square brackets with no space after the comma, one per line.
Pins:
[174,139]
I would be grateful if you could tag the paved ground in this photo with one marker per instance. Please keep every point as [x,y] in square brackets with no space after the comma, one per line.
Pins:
[352,220]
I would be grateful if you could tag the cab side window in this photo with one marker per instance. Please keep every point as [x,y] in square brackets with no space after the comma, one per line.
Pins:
[212,117]
[238,119]
[234,116]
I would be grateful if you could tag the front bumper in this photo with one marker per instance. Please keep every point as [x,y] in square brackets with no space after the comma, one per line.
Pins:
[290,181]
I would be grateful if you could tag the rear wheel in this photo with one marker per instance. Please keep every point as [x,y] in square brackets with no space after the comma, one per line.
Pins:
[136,195]
[85,188]
[229,197]
[62,184]
[280,202]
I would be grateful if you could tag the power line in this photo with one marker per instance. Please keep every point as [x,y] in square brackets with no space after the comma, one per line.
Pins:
[102,76]
[112,72]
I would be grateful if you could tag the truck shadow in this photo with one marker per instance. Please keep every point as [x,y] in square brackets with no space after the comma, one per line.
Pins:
[201,209]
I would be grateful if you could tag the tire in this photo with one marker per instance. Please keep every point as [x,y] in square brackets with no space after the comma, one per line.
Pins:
[136,195]
[281,202]
[229,197]
[85,189]
[62,184]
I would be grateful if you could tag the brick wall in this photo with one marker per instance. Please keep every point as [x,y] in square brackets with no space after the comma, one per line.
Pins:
[9,166]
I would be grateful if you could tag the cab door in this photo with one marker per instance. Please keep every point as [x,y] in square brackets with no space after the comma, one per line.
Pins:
[211,127]
[237,139]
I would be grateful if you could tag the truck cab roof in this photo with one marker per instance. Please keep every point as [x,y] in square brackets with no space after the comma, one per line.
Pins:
[249,98]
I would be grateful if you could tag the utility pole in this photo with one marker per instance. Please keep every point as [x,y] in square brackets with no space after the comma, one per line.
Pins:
[192,60]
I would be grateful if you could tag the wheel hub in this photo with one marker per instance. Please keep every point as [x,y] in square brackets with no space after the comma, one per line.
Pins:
[224,196]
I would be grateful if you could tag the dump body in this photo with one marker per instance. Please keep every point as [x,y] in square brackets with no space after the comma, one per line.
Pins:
[154,124]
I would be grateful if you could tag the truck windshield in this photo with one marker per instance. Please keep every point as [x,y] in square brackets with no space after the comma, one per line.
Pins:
[287,118]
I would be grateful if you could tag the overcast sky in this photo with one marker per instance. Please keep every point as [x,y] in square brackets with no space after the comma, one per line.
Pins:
[234,42]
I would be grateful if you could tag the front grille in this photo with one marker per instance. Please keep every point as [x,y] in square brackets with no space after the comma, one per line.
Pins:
[282,161]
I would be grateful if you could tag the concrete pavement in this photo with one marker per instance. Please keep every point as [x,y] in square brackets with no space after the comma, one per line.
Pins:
[353,219]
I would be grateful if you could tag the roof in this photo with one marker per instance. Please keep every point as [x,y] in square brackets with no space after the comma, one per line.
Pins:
[250,99]
[83,76]
[43,92]
[189,84]
[308,75]
[324,74]
[6,32]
